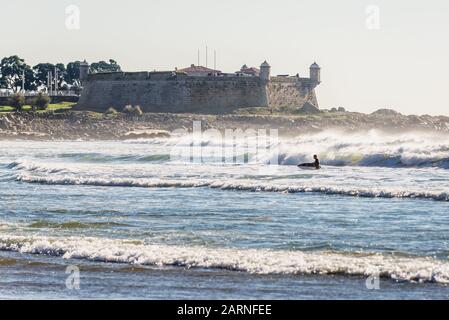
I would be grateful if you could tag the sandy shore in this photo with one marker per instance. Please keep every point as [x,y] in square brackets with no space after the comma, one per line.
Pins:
[89,126]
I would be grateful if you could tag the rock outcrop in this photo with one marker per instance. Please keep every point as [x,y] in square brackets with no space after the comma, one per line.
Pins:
[91,126]
[309,108]
[386,112]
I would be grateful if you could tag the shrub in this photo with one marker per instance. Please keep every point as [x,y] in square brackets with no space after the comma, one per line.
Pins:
[111,110]
[138,111]
[128,109]
[17,101]
[133,111]
[41,101]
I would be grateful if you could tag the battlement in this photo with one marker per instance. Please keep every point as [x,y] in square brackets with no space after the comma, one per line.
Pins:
[164,76]
[289,79]
[180,76]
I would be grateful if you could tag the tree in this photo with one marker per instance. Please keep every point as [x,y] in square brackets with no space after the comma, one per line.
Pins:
[62,74]
[72,76]
[41,101]
[41,73]
[12,70]
[17,100]
[42,70]
[103,66]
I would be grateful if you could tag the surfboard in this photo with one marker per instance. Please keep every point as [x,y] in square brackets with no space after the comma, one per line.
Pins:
[308,166]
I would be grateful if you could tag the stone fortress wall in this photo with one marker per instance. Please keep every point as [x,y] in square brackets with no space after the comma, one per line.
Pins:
[179,92]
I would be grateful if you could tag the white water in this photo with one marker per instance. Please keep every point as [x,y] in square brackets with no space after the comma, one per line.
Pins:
[161,227]
[383,183]
[259,261]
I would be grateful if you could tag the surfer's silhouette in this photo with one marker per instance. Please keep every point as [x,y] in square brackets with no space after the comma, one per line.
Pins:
[315,164]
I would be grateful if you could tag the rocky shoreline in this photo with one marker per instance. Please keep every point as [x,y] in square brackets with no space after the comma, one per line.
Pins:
[93,126]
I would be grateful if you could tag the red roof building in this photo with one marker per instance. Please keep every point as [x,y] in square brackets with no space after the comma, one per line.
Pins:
[250,71]
[199,71]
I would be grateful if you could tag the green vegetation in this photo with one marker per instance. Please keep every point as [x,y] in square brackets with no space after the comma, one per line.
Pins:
[266,111]
[111,111]
[62,106]
[8,108]
[52,107]
[103,66]
[290,112]
[17,101]
[253,111]
[12,70]
[41,101]
[133,110]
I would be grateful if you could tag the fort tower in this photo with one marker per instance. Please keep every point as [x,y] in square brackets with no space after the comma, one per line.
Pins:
[84,71]
[265,71]
[315,73]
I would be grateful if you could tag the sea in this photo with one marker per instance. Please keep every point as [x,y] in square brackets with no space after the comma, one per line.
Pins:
[150,219]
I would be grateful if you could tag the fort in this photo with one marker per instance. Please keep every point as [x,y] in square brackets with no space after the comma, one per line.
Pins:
[197,90]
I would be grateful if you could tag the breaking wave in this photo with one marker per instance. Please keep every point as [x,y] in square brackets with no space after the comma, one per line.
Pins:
[34,167]
[368,149]
[237,186]
[256,261]
[372,149]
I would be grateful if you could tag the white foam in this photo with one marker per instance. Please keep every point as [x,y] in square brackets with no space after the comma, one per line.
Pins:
[371,148]
[257,261]
[239,185]
[366,149]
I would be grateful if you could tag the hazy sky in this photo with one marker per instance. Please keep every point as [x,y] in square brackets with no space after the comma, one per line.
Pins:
[402,65]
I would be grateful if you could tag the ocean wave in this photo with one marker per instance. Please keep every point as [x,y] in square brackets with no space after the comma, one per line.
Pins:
[372,149]
[34,167]
[237,186]
[100,158]
[368,149]
[256,261]
[386,160]
[364,149]
[72,225]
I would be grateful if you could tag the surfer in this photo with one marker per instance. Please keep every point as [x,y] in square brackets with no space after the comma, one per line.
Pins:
[315,164]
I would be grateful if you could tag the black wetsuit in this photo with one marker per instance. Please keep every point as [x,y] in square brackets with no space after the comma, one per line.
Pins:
[317,164]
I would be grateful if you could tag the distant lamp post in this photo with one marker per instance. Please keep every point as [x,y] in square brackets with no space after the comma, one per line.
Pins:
[56,81]
[23,81]
[50,83]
